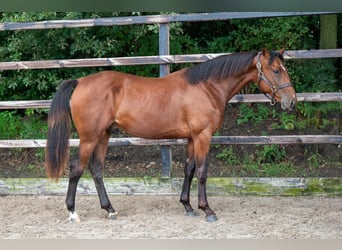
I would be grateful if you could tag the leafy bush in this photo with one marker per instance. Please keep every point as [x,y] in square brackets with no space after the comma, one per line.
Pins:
[270,154]
[253,113]
[13,126]
[10,125]
[228,156]
[271,33]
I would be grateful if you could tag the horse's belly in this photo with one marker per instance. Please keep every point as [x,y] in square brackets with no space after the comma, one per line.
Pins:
[153,128]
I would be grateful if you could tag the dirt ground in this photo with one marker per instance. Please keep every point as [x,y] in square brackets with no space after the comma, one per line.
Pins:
[150,217]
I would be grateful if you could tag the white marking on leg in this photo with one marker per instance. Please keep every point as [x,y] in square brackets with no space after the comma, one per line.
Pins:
[74,217]
[112,215]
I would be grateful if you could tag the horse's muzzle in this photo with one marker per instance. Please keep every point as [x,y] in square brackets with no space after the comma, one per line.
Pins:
[288,103]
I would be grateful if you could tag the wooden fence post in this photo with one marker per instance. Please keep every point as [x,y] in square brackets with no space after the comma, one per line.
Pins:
[164,49]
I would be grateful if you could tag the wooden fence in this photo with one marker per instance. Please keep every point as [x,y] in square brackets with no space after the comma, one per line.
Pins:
[164,60]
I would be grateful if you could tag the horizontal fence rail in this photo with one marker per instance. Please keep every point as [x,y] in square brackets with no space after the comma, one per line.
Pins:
[218,140]
[247,98]
[150,19]
[147,60]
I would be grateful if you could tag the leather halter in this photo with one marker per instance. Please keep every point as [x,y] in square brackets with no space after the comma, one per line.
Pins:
[274,88]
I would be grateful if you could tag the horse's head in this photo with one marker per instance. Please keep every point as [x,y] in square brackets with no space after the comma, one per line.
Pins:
[274,80]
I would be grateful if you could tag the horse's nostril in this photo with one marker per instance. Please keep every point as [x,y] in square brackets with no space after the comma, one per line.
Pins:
[292,104]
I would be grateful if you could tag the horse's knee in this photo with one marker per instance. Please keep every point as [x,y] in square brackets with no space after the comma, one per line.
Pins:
[189,168]
[201,176]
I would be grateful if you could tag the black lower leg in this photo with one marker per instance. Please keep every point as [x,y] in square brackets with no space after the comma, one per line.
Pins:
[74,176]
[202,193]
[96,171]
[189,171]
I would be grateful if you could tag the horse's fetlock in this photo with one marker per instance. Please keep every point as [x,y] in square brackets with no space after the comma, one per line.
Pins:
[203,205]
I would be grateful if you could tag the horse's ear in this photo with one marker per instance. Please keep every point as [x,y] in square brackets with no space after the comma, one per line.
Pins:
[265,52]
[282,51]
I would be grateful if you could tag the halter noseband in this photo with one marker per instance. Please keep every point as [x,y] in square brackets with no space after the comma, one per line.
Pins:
[274,89]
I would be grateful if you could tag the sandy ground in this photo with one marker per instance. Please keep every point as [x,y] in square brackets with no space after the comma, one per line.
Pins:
[149,217]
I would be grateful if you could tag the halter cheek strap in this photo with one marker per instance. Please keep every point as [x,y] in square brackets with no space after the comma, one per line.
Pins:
[274,88]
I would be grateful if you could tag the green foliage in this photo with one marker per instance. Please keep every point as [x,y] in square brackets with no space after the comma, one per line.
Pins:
[13,126]
[254,115]
[313,161]
[10,125]
[268,161]
[255,34]
[228,156]
[319,115]
[278,169]
[270,154]
[313,75]
[246,114]
[270,170]
[284,121]
[33,127]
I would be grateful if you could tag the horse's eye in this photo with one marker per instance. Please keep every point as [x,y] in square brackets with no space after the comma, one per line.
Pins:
[276,71]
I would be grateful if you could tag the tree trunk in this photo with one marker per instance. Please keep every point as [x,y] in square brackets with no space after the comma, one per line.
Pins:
[328,32]
[328,39]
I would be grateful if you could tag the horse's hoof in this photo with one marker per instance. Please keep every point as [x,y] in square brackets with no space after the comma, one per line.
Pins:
[191,214]
[211,218]
[73,218]
[112,216]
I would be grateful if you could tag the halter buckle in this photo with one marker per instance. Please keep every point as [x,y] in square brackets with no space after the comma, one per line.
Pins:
[260,73]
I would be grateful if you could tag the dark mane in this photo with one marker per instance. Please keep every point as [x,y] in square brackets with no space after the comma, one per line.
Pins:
[220,67]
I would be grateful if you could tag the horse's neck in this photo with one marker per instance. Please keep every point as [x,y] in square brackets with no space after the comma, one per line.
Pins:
[234,85]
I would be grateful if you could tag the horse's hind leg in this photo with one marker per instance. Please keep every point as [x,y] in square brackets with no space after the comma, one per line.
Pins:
[76,171]
[96,166]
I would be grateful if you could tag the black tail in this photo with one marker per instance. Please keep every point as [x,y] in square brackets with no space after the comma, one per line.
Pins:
[59,123]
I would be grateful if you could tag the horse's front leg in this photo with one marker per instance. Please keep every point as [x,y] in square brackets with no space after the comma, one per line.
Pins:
[201,146]
[202,192]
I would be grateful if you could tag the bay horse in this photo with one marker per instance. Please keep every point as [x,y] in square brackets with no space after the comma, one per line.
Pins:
[188,103]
